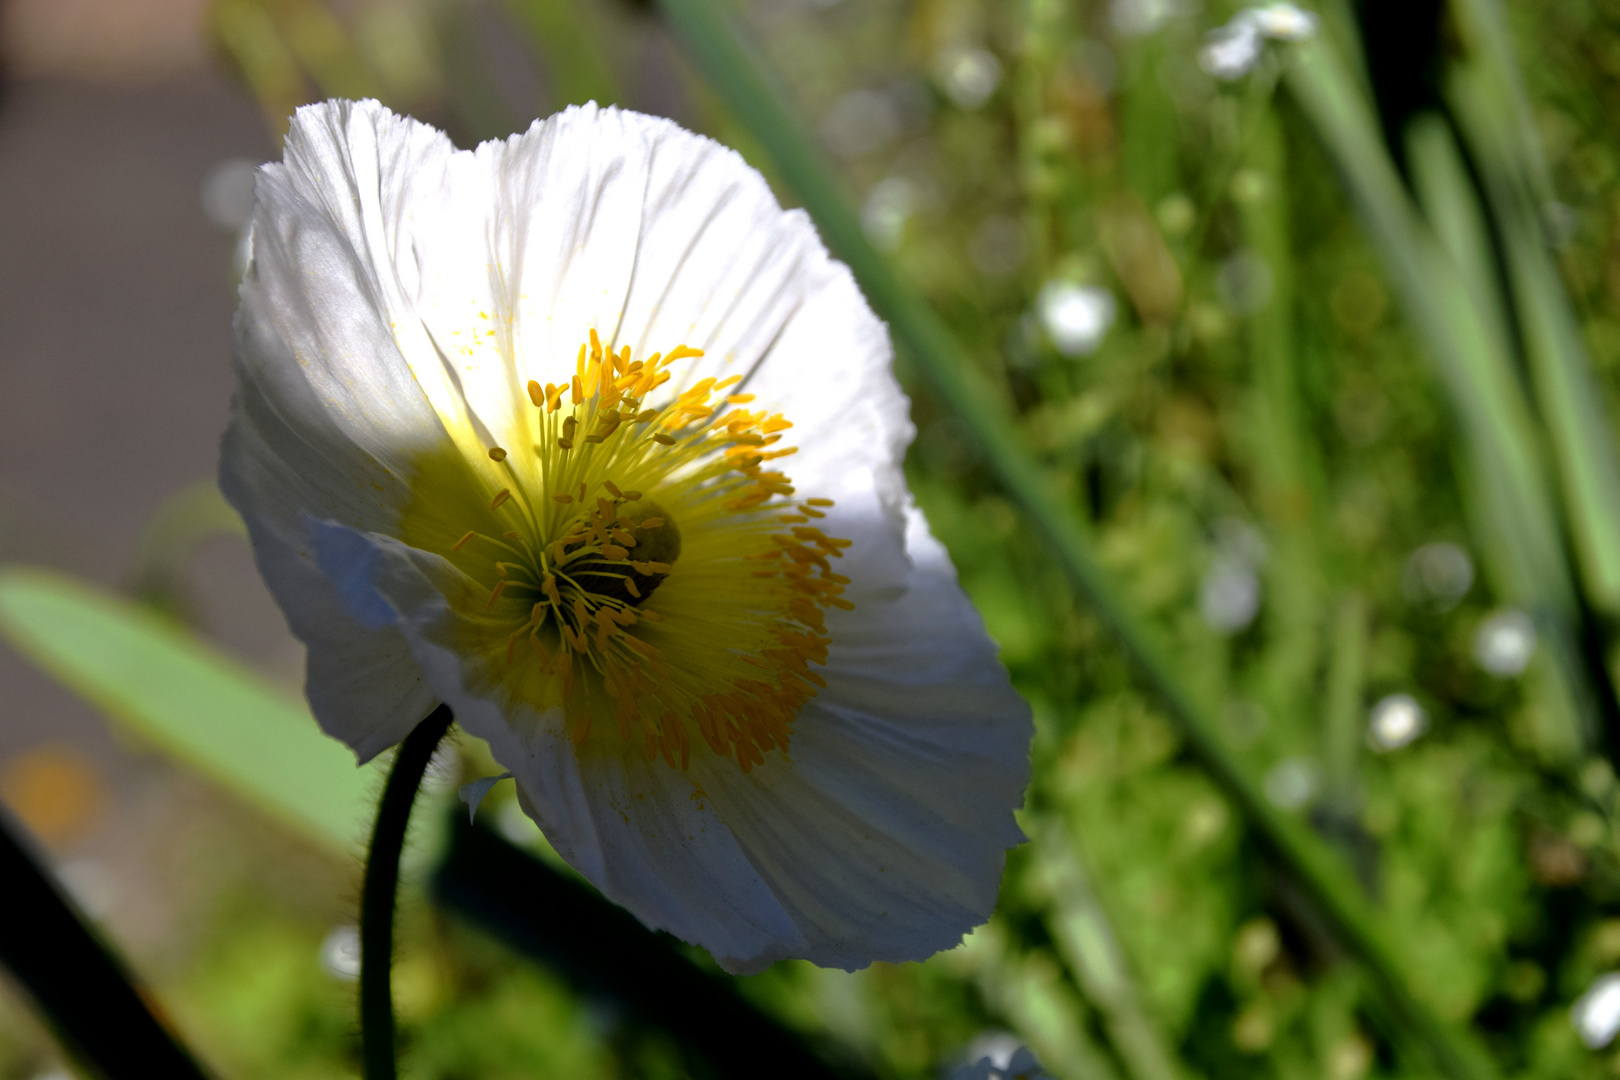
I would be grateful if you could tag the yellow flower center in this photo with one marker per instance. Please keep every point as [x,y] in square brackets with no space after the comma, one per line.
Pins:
[650,565]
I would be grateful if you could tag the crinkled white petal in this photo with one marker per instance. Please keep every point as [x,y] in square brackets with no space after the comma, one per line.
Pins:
[653,236]
[401,294]
[880,836]
[327,415]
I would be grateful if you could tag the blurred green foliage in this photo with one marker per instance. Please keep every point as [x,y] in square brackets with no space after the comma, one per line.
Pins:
[1354,399]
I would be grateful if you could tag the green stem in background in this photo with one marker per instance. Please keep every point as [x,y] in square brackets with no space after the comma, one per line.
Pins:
[1086,940]
[377,895]
[740,81]
[103,1016]
[1502,465]
[1029,989]
[1341,727]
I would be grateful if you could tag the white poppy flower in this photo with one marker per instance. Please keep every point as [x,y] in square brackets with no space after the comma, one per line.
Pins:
[514,432]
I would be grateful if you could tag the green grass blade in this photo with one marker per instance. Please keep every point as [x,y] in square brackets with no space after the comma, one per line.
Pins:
[738,79]
[1084,936]
[1579,431]
[1502,465]
[190,702]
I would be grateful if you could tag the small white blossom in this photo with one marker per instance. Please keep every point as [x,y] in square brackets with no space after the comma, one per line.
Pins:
[1001,1058]
[1596,1013]
[1075,317]
[1395,721]
[1292,783]
[968,75]
[1229,593]
[1284,22]
[340,953]
[888,206]
[1231,51]
[1505,642]
[1438,575]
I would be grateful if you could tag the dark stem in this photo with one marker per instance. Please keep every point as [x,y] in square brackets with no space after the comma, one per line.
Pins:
[377,895]
[83,990]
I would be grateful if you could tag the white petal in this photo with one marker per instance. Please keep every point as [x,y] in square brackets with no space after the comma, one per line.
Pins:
[883,835]
[362,683]
[473,794]
[330,416]
[655,237]
[886,836]
[640,832]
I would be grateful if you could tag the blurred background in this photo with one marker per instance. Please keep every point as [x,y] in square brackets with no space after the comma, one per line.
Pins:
[1313,319]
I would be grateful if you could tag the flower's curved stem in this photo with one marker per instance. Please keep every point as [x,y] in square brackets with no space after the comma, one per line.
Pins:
[377,895]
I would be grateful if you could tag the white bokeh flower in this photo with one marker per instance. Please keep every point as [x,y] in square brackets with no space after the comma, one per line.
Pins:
[1505,643]
[1075,317]
[1596,1013]
[509,435]
[1397,720]
[1232,50]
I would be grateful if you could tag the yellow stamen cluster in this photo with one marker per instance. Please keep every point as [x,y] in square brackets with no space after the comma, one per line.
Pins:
[659,571]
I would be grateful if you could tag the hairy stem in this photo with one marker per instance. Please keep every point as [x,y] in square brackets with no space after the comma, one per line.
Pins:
[377,895]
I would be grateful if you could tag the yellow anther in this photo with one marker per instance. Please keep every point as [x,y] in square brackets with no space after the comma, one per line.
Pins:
[651,616]
[663,439]
[614,552]
[596,345]
[652,523]
[554,398]
[549,587]
[497,454]
[512,534]
[580,614]
[812,511]
[739,399]
[776,423]
[632,495]
[729,380]
[578,397]
[682,352]
[839,602]
[562,498]
[818,502]
[658,567]
[623,537]
[613,489]
[536,395]
[463,542]
[500,498]
[647,416]
[495,594]
[630,587]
